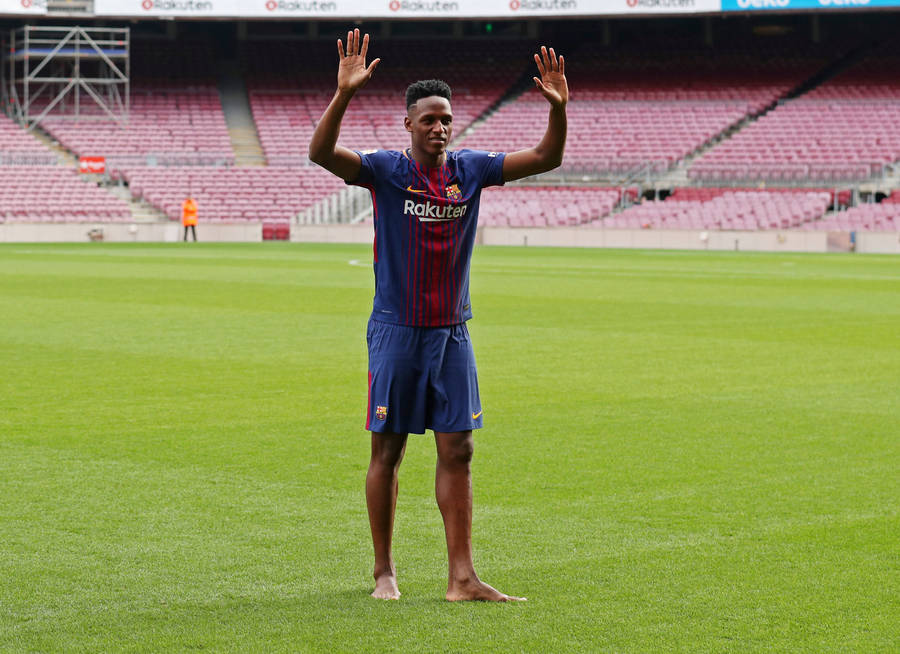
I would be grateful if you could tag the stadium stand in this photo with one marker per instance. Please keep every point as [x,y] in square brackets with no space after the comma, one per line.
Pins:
[56,194]
[18,147]
[865,217]
[517,206]
[271,194]
[35,189]
[880,217]
[845,130]
[169,125]
[635,111]
[174,120]
[725,210]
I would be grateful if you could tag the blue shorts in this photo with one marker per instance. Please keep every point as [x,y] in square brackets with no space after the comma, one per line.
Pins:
[421,378]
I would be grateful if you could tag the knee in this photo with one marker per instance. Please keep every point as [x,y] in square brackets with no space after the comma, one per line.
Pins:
[387,458]
[387,453]
[457,450]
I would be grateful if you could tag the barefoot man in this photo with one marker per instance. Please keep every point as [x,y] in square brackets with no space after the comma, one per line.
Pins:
[421,363]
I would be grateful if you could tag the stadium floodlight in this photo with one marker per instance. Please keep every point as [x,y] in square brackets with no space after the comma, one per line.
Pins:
[73,73]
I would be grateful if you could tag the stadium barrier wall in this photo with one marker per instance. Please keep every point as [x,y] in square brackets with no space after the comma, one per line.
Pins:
[768,241]
[360,233]
[878,243]
[125,232]
[786,241]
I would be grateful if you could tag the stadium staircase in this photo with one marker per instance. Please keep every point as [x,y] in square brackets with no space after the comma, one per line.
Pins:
[238,117]
[64,156]
[141,211]
[828,72]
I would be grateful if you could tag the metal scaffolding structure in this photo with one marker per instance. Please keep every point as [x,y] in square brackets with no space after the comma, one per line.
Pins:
[70,73]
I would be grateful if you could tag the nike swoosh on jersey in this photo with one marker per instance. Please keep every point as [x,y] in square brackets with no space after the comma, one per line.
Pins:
[476,416]
[416,190]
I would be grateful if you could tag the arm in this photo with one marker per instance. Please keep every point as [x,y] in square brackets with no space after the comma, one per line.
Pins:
[352,76]
[547,154]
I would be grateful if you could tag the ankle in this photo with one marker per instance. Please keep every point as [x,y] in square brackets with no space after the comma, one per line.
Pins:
[385,571]
[463,578]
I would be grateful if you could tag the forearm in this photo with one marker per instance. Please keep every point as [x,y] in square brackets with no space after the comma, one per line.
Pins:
[324,139]
[546,155]
[552,146]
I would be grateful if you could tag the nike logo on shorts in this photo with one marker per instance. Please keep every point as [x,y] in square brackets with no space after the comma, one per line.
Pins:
[476,416]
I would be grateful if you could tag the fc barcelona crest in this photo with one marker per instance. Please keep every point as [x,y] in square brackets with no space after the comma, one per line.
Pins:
[452,192]
[380,412]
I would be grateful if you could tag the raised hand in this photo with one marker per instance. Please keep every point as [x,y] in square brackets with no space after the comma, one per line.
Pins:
[552,83]
[352,70]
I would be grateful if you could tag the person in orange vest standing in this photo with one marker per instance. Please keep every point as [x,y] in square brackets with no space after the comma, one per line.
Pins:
[189,217]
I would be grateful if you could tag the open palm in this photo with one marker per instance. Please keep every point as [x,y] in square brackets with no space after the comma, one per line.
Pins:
[552,83]
[352,70]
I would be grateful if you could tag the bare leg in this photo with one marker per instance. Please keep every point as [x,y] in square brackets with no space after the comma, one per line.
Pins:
[381,499]
[453,487]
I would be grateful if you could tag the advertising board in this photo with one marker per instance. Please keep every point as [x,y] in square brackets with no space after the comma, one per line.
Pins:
[351,9]
[30,7]
[785,5]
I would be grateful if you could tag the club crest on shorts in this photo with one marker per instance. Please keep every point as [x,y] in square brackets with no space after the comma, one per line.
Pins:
[452,192]
[380,412]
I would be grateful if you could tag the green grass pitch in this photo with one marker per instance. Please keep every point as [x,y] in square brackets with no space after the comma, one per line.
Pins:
[683,452]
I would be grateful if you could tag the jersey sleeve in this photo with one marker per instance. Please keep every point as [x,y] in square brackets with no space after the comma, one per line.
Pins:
[488,166]
[374,164]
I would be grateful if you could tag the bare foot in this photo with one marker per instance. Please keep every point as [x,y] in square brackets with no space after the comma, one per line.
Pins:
[386,587]
[475,589]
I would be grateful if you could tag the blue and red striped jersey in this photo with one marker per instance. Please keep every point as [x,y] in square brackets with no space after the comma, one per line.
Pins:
[425,220]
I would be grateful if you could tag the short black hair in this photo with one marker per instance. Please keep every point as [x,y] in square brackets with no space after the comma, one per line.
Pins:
[425,89]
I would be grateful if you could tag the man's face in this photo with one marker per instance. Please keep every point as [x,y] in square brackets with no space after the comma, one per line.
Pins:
[430,124]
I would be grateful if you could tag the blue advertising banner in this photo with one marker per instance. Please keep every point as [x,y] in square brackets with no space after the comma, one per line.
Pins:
[782,5]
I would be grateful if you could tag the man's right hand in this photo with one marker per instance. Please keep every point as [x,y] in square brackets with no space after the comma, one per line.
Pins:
[352,76]
[352,70]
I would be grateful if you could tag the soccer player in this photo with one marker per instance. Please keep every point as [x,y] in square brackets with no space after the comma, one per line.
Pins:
[421,364]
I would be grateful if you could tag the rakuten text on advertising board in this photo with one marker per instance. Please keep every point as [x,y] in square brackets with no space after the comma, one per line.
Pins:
[23,7]
[182,8]
[776,5]
[305,8]
[667,6]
